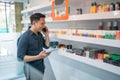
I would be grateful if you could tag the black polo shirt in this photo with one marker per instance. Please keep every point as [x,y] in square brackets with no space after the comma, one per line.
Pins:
[31,44]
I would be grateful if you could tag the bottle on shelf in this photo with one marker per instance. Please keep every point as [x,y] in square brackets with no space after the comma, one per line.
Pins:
[109,25]
[108,35]
[100,34]
[79,11]
[94,7]
[98,8]
[112,7]
[118,35]
[103,34]
[107,8]
[117,6]
[102,8]
[100,27]
[100,55]
[69,10]
[113,35]
[115,25]
[91,8]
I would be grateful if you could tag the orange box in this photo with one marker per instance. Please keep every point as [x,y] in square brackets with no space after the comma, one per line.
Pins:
[100,56]
[94,36]
[118,35]
[65,16]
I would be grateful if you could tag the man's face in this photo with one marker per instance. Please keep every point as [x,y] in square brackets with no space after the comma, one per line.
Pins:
[40,24]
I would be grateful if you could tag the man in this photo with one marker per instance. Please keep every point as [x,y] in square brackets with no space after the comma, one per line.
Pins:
[30,47]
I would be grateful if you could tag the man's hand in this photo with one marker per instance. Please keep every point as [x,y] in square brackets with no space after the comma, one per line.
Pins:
[46,33]
[42,54]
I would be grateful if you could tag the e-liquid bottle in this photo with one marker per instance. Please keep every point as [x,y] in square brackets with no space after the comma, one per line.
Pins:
[118,35]
[115,25]
[91,8]
[98,7]
[95,7]
[79,11]
[109,25]
[107,8]
[100,27]
[69,10]
[112,7]
[117,6]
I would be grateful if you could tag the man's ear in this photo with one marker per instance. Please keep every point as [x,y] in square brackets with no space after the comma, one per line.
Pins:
[33,22]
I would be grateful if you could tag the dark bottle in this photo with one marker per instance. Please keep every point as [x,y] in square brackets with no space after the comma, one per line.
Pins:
[112,7]
[100,27]
[115,25]
[81,11]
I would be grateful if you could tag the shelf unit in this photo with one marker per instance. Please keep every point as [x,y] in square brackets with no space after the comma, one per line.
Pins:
[105,42]
[97,41]
[96,16]
[92,62]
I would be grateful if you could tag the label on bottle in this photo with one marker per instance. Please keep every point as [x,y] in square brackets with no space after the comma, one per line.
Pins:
[109,25]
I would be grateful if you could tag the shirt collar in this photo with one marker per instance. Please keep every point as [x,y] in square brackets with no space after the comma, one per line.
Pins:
[32,33]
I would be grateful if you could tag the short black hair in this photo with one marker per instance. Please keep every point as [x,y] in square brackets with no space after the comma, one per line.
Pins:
[36,17]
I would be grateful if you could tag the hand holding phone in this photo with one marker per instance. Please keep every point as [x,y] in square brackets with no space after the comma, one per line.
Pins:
[50,50]
[44,29]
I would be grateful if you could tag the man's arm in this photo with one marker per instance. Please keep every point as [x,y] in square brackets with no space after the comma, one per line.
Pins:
[41,55]
[22,47]
[47,39]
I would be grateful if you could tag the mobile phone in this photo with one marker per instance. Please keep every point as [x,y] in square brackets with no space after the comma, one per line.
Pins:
[51,50]
[44,29]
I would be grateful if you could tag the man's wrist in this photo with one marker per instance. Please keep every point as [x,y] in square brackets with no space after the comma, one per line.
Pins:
[37,57]
[46,35]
